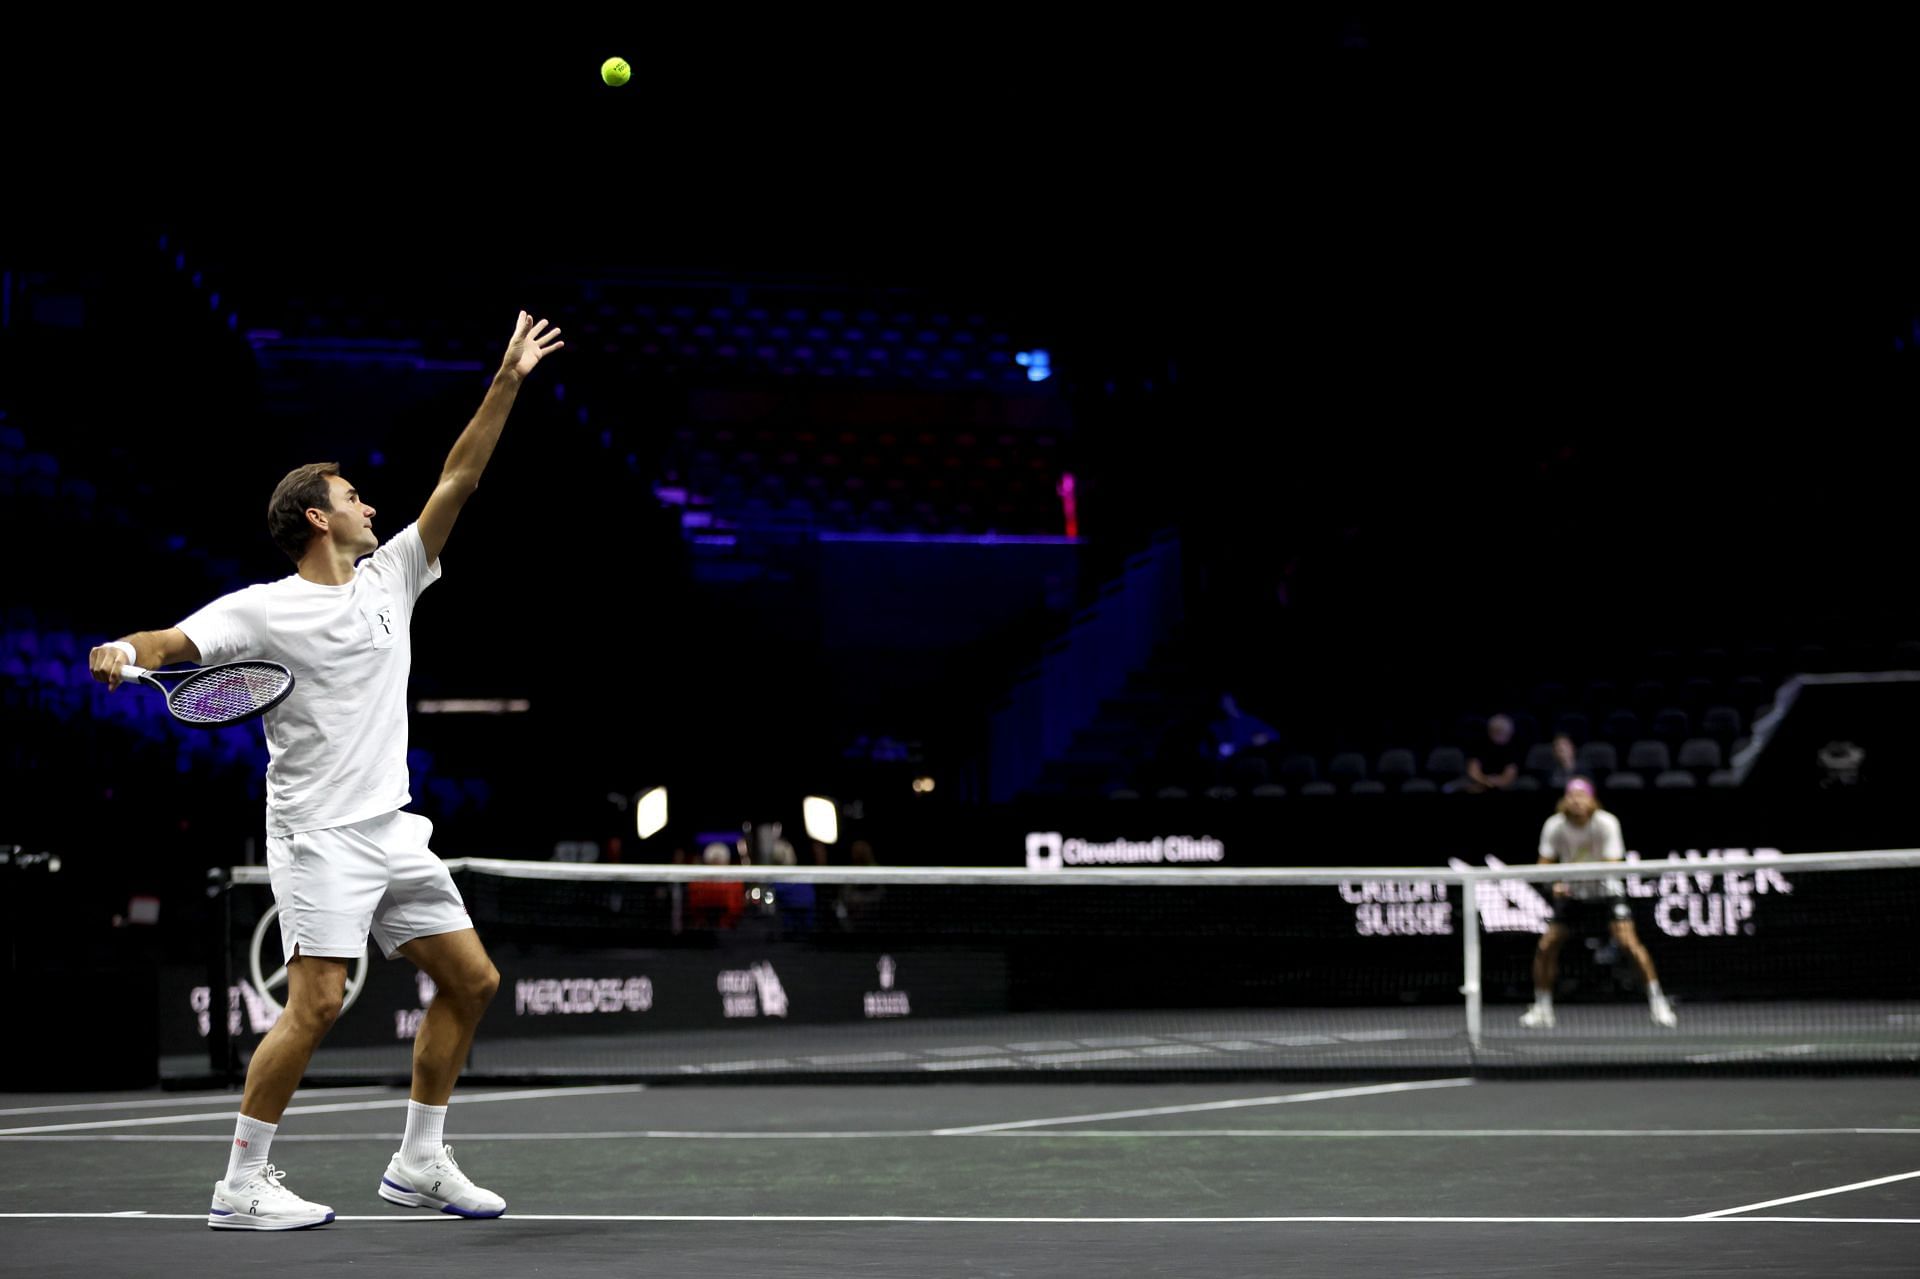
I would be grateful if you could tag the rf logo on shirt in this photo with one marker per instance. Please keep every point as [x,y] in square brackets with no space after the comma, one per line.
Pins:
[380,624]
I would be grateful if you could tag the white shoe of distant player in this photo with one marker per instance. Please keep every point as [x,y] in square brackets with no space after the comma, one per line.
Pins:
[260,1202]
[1538,1017]
[1662,1012]
[440,1185]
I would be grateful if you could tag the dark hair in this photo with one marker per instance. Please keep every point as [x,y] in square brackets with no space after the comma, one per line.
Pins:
[304,487]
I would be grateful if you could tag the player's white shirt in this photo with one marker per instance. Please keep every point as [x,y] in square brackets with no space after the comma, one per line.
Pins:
[1598,841]
[337,746]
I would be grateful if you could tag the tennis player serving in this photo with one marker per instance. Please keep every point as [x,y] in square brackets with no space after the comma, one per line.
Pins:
[1582,831]
[345,861]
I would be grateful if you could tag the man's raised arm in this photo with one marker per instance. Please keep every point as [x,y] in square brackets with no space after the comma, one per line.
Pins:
[532,342]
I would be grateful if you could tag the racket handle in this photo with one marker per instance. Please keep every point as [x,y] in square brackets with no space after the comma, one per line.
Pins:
[133,672]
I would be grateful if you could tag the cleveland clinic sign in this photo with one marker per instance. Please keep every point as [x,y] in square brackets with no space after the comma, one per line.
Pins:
[1050,850]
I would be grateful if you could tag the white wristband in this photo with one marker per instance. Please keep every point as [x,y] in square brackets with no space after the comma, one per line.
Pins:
[133,658]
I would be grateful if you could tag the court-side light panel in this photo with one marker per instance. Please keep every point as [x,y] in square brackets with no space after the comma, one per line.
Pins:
[822,819]
[650,814]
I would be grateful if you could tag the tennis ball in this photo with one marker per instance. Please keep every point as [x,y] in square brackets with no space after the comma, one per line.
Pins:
[615,71]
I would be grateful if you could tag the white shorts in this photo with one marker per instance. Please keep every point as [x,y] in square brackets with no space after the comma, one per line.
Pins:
[378,877]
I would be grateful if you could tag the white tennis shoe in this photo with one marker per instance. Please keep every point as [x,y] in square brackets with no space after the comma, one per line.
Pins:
[260,1202]
[440,1185]
[1538,1017]
[1662,1012]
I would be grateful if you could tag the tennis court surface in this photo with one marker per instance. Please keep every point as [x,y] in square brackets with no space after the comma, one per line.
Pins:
[1442,1175]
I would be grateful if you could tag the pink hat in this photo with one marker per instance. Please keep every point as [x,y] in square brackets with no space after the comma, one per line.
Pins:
[1579,786]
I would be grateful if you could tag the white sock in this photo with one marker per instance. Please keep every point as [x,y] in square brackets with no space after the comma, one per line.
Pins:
[422,1143]
[1543,999]
[1653,992]
[248,1154]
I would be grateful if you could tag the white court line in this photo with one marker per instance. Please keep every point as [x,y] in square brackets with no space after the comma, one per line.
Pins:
[180,1100]
[1755,1054]
[389,1103]
[1811,1194]
[1330,1094]
[682,1134]
[975,1063]
[850,1219]
[1452,1133]
[1061,1059]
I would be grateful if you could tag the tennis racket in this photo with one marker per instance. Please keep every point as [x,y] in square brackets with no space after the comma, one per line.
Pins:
[215,696]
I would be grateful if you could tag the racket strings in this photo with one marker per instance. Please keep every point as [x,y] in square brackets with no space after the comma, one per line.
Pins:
[232,692]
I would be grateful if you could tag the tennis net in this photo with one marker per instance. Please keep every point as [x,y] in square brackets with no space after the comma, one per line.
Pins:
[669,972]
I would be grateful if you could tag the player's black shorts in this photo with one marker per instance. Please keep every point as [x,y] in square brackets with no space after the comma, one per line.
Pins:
[1590,913]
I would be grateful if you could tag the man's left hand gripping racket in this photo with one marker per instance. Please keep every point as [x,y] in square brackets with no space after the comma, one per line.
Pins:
[215,696]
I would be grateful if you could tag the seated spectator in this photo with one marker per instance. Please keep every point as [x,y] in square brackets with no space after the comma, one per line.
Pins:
[1563,763]
[795,899]
[858,905]
[1492,765]
[715,903]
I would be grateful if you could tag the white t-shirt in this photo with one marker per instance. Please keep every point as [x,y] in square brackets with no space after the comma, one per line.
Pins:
[337,746]
[1598,841]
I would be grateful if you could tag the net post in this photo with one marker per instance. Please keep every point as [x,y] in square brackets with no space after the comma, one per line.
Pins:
[1470,957]
[220,975]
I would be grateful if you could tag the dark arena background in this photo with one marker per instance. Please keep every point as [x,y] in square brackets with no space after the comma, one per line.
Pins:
[995,706]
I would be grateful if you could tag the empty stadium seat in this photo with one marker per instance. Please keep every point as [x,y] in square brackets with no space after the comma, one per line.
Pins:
[1396,766]
[1699,754]
[1446,764]
[1297,770]
[1346,768]
[1596,760]
[1722,723]
[1648,756]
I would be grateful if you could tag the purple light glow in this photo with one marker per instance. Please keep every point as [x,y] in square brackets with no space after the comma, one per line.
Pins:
[957,539]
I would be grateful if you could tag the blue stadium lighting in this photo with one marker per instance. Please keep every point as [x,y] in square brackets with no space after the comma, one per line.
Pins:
[1037,364]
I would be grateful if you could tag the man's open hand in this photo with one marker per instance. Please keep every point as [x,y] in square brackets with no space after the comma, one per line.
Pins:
[532,342]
